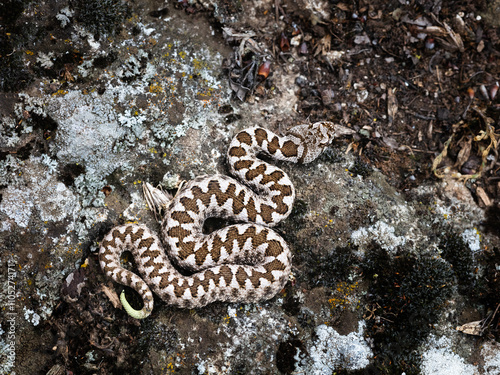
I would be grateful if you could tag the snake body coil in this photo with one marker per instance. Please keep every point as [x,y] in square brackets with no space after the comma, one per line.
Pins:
[245,262]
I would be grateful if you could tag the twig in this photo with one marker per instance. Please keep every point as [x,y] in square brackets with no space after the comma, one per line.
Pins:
[439,78]
[485,323]
[432,60]
[422,117]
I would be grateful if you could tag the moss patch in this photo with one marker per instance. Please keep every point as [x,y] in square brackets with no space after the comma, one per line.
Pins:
[405,298]
[101,17]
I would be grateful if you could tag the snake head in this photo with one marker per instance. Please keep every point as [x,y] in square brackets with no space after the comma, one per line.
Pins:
[340,131]
[314,138]
[326,131]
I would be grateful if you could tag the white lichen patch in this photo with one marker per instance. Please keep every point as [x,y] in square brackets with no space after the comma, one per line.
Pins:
[472,238]
[131,213]
[88,130]
[56,202]
[11,171]
[81,33]
[491,356]
[103,132]
[382,233]
[439,359]
[46,60]
[132,66]
[331,351]
[171,181]
[249,328]
[8,137]
[31,316]
[207,368]
[64,16]
[41,191]
[17,205]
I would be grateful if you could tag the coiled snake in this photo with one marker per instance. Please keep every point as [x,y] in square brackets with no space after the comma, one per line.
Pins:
[245,262]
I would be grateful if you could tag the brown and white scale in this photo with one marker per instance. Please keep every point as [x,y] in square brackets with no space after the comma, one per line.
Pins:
[246,262]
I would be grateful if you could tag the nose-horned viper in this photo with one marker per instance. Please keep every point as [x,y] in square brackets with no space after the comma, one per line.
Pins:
[245,262]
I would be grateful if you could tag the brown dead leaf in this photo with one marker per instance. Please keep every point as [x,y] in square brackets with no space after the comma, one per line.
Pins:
[112,296]
[392,105]
[323,45]
[457,39]
[57,370]
[480,46]
[343,7]
[391,143]
[436,31]
[464,153]
[483,196]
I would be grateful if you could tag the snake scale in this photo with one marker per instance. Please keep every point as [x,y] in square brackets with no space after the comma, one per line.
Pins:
[245,262]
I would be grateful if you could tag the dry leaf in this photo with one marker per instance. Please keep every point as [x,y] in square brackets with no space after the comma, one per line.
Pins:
[480,46]
[483,196]
[440,158]
[343,7]
[57,370]
[457,39]
[323,45]
[464,153]
[112,296]
[488,134]
[392,104]
[436,31]
[472,328]
[390,142]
